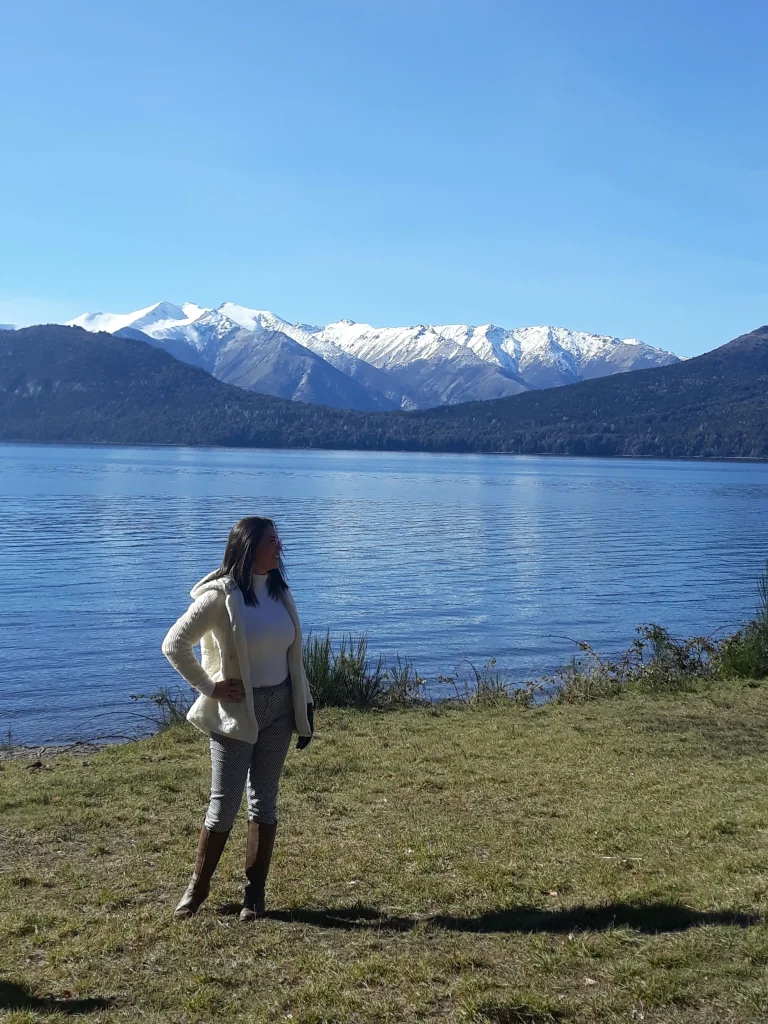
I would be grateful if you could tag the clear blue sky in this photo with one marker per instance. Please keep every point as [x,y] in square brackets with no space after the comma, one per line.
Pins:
[594,165]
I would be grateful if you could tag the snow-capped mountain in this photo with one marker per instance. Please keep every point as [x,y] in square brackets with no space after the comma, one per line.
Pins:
[247,348]
[541,356]
[363,367]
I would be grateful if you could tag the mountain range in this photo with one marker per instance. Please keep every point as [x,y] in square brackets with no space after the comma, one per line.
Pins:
[66,384]
[350,365]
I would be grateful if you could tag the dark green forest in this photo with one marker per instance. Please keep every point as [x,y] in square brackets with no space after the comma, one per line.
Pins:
[68,385]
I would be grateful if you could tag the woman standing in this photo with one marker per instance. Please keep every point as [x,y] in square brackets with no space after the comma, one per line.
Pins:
[253,694]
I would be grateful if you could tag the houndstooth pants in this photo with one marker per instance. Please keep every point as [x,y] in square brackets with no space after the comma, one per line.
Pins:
[260,763]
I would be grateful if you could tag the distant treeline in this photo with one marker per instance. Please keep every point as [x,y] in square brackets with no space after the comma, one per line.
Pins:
[65,384]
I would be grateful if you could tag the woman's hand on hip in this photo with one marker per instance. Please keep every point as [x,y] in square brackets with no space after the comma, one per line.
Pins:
[229,689]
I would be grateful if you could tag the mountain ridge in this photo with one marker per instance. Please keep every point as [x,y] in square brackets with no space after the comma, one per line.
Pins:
[65,384]
[411,367]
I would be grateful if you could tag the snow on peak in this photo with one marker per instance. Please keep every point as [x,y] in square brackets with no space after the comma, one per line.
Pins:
[252,319]
[540,349]
[151,319]
[164,311]
[193,311]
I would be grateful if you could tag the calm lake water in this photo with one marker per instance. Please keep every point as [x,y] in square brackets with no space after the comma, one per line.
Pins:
[438,557]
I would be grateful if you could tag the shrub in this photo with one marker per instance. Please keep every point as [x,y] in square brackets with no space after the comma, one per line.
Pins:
[659,661]
[482,685]
[167,707]
[656,661]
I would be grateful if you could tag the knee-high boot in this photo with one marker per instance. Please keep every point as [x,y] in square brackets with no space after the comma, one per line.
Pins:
[209,850]
[258,855]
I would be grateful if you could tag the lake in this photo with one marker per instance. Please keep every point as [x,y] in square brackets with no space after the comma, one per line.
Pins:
[440,558]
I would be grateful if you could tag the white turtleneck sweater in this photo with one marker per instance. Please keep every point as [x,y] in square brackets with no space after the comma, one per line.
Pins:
[269,632]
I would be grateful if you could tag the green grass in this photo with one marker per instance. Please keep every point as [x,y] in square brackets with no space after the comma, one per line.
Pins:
[603,861]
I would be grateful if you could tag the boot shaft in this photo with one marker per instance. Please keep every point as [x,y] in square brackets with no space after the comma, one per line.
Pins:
[258,856]
[209,849]
[258,852]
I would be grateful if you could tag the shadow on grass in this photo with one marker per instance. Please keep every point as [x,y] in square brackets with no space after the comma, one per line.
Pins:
[649,918]
[18,997]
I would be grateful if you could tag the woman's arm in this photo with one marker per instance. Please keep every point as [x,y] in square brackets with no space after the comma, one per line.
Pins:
[178,646]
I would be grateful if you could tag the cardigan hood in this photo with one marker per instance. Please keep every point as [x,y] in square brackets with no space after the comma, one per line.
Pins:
[213,581]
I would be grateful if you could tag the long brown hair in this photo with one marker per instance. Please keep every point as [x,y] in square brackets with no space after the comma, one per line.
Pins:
[239,555]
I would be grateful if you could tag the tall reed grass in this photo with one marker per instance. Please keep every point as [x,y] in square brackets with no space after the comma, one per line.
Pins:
[744,654]
[345,676]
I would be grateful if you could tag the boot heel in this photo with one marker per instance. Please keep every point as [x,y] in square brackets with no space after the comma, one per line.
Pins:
[253,907]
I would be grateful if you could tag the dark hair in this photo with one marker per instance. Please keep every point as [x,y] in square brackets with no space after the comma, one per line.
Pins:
[239,555]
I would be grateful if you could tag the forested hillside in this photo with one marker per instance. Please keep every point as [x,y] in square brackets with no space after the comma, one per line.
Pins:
[66,384]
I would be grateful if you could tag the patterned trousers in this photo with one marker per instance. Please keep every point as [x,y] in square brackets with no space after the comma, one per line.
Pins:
[260,764]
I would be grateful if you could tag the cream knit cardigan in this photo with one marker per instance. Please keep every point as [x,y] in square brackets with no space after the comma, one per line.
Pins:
[215,620]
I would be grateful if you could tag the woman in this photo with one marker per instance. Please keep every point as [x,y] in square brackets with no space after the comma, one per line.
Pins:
[253,694]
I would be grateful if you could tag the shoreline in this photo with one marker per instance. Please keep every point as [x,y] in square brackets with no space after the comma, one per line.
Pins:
[35,751]
[386,451]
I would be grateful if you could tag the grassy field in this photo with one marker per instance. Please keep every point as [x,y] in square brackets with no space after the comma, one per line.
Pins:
[602,862]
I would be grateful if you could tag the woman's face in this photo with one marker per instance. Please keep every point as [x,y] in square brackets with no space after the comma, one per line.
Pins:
[268,550]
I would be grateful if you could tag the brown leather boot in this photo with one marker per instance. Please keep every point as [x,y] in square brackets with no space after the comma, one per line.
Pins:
[258,854]
[209,851]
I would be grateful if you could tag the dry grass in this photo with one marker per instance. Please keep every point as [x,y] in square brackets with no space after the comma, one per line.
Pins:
[603,862]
